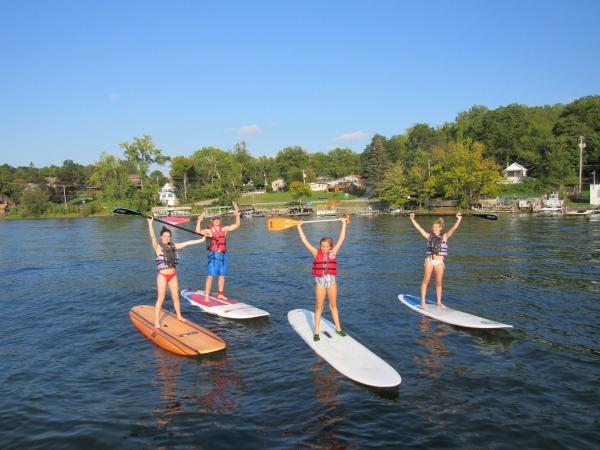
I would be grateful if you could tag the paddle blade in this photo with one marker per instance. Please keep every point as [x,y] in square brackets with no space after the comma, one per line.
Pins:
[130,212]
[348,219]
[486,216]
[281,223]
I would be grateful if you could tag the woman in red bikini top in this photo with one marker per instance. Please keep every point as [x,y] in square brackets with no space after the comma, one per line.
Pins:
[166,263]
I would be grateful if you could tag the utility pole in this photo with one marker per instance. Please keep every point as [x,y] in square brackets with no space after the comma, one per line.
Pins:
[185,186]
[65,199]
[581,147]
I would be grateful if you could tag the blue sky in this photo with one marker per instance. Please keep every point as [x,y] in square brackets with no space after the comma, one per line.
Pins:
[79,77]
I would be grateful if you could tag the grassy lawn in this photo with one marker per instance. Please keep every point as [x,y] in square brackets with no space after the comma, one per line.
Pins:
[285,197]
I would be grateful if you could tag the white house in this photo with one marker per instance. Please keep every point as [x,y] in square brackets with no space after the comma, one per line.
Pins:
[318,186]
[595,194]
[278,184]
[514,173]
[167,195]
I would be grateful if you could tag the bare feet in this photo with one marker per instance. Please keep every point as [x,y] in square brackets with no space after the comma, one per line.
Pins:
[206,299]
[156,325]
[441,305]
[423,304]
[222,297]
[181,319]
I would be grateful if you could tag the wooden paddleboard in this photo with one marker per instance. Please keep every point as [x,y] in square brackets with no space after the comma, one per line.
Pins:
[449,315]
[230,308]
[345,354]
[183,338]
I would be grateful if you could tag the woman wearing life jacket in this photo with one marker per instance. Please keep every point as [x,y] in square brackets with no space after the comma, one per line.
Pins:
[166,264]
[435,252]
[324,270]
[216,242]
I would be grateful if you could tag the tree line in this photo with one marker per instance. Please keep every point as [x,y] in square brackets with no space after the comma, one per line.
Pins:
[462,159]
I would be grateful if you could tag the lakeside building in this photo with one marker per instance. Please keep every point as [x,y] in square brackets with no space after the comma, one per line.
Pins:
[595,194]
[514,174]
[167,195]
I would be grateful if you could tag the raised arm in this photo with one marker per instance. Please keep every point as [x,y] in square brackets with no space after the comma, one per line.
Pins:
[185,244]
[155,245]
[199,223]
[235,225]
[307,244]
[454,227]
[341,237]
[420,229]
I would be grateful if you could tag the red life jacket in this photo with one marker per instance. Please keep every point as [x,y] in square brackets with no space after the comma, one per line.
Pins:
[218,241]
[324,264]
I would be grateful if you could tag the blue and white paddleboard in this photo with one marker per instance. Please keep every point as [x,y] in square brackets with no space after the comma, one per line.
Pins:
[449,315]
[345,354]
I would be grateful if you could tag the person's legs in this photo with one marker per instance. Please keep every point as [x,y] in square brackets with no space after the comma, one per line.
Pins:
[332,296]
[207,287]
[161,288]
[427,269]
[439,275]
[320,292]
[174,287]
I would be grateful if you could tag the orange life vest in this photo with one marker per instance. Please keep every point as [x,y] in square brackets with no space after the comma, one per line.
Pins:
[218,241]
[324,264]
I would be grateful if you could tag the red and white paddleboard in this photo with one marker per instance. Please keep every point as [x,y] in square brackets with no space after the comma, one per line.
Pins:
[175,220]
[230,308]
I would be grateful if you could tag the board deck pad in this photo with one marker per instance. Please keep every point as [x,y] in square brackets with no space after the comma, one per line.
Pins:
[449,315]
[183,338]
[345,354]
[230,308]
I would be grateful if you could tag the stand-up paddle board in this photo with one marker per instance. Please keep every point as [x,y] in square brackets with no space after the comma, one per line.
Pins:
[184,338]
[176,220]
[345,354]
[230,308]
[449,315]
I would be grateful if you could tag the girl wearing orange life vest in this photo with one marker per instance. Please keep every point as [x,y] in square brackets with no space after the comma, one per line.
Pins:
[216,234]
[324,269]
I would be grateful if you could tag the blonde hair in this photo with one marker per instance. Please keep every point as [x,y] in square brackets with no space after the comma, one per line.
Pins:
[439,221]
[328,239]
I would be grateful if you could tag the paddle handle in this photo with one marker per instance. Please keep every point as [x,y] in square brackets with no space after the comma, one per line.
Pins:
[326,220]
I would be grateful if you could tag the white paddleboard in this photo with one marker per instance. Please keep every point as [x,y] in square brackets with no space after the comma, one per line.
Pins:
[449,315]
[230,308]
[345,354]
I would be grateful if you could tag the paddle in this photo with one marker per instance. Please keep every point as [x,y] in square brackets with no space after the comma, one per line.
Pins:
[282,223]
[480,215]
[132,212]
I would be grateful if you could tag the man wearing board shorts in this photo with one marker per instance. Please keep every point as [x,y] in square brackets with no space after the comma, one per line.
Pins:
[216,244]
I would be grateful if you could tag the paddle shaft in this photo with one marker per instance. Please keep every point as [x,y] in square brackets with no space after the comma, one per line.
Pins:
[481,216]
[132,212]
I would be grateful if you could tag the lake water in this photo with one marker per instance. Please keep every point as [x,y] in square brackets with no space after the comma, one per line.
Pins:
[75,372]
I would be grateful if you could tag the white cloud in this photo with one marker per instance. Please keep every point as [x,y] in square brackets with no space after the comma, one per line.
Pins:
[354,136]
[114,96]
[249,130]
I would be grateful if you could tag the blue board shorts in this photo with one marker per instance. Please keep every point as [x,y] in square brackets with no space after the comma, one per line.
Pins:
[217,264]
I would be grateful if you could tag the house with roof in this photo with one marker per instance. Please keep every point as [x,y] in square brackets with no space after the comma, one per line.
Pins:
[278,185]
[167,195]
[514,174]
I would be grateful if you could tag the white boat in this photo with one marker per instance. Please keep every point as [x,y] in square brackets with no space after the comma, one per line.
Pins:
[327,212]
[582,212]
[552,205]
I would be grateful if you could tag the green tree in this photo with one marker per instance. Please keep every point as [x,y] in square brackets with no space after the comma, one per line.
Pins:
[142,153]
[110,174]
[394,189]
[290,162]
[375,161]
[464,173]
[34,202]
[299,190]
[182,171]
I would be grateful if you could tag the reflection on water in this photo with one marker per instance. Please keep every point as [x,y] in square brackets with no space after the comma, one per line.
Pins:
[430,362]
